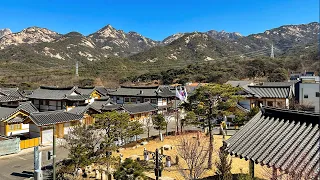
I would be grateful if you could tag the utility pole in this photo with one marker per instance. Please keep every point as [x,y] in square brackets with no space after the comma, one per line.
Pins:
[177,115]
[157,164]
[272,53]
[54,153]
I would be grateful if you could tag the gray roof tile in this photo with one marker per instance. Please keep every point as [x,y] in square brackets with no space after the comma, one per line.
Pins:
[11,94]
[139,108]
[53,117]
[6,112]
[152,91]
[82,109]
[44,92]
[284,139]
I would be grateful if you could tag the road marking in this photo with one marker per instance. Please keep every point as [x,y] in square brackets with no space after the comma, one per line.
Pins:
[21,158]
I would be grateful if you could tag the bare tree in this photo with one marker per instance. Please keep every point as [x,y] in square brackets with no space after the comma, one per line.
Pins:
[167,119]
[147,122]
[195,155]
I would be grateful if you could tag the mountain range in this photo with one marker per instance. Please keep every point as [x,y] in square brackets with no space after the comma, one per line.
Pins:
[112,49]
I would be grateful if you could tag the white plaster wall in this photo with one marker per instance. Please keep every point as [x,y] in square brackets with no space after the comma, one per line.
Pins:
[47,136]
[309,89]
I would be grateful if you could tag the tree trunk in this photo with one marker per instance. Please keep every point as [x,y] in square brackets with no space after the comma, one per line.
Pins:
[148,133]
[210,146]
[167,129]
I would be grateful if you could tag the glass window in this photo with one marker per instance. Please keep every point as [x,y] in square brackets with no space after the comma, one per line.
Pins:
[164,100]
[153,101]
[317,94]
[146,100]
[138,99]
[118,98]
[133,100]
[126,99]
[270,103]
[305,96]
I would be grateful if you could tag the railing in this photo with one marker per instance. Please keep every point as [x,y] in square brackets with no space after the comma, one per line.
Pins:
[28,143]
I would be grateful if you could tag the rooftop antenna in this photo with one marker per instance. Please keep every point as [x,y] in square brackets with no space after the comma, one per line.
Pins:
[77,69]
[272,53]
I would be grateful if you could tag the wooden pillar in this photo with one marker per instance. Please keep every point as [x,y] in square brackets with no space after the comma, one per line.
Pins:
[274,173]
[251,168]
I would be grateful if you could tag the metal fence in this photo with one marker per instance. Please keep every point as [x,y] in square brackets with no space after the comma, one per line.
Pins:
[9,145]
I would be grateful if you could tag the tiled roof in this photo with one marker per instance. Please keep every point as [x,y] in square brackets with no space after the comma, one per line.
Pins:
[53,117]
[6,112]
[82,109]
[81,97]
[152,91]
[139,108]
[265,91]
[135,91]
[111,107]
[99,103]
[283,139]
[11,94]
[102,90]
[55,93]
[85,90]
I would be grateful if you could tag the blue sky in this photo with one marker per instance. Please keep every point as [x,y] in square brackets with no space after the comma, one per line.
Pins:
[157,19]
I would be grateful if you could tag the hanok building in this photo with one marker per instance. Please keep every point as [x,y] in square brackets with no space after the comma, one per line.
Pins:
[139,111]
[11,97]
[41,124]
[57,98]
[161,96]
[285,140]
[11,119]
[273,94]
[93,92]
[87,111]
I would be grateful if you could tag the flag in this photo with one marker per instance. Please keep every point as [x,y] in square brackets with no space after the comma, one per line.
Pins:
[178,95]
[181,94]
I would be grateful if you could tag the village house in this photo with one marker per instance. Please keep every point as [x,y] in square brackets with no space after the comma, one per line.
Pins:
[47,98]
[273,94]
[11,97]
[139,111]
[41,124]
[11,119]
[285,140]
[87,111]
[161,96]
[93,92]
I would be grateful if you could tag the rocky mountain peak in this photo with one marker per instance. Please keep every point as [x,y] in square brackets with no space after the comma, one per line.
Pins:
[223,35]
[29,36]
[4,32]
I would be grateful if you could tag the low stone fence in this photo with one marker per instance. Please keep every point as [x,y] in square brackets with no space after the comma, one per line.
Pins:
[9,145]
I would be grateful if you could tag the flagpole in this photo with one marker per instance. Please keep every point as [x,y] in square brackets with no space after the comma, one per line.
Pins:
[177,122]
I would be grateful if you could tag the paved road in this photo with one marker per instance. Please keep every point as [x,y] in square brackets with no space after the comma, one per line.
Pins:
[20,166]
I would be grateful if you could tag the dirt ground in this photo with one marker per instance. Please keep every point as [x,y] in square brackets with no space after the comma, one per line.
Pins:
[238,165]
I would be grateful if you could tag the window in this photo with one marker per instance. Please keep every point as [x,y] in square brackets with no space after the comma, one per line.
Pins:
[317,94]
[13,127]
[133,100]
[146,100]
[270,103]
[164,100]
[118,98]
[280,104]
[138,99]
[305,96]
[126,99]
[153,101]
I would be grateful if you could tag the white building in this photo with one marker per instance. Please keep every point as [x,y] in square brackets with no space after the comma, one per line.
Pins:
[309,92]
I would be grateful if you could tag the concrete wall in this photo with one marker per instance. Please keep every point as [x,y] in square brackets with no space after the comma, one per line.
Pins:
[309,89]
[9,145]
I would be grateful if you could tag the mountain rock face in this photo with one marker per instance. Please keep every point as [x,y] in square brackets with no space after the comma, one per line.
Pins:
[28,36]
[222,35]
[110,42]
[120,43]
[4,32]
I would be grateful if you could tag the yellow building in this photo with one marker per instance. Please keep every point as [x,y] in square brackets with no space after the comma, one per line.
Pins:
[11,119]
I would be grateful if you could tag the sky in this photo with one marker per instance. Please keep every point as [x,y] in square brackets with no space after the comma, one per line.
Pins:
[157,19]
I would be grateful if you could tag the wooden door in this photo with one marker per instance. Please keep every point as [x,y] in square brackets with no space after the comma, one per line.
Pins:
[60,130]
